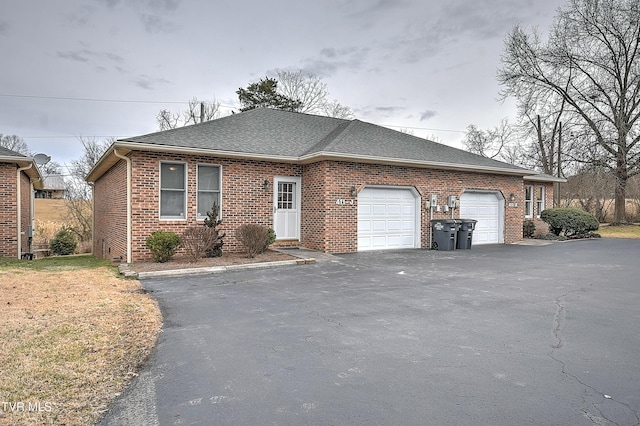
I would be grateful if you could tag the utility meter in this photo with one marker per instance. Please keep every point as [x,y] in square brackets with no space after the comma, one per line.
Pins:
[451,201]
[433,201]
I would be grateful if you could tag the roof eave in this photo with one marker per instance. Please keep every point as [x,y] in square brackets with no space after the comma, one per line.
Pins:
[319,156]
[544,178]
[32,172]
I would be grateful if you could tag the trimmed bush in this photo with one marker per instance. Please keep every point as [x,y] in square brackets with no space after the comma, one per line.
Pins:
[198,240]
[570,222]
[254,238]
[163,245]
[63,243]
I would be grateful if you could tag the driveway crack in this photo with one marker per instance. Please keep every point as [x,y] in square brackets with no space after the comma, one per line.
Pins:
[558,342]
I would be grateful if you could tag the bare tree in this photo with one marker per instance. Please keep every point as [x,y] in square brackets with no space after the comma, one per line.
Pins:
[196,112]
[336,110]
[500,143]
[591,61]
[312,94]
[14,143]
[592,189]
[78,192]
[309,90]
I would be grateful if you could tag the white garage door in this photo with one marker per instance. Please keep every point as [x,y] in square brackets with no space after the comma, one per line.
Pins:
[387,219]
[486,208]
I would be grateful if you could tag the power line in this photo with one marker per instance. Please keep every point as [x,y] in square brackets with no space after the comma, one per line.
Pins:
[64,98]
[423,128]
[139,101]
[130,101]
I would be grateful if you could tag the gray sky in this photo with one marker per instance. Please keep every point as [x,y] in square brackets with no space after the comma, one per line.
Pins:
[106,67]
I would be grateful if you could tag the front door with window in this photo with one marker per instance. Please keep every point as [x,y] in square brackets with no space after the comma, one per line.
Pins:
[286,208]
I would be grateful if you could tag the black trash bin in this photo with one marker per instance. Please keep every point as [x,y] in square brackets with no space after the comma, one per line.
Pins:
[444,232]
[465,233]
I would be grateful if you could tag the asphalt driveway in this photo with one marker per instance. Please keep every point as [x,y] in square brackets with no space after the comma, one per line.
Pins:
[493,335]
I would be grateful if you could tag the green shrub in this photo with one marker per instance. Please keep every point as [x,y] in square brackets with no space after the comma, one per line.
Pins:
[254,238]
[63,243]
[213,223]
[163,245]
[570,222]
[271,238]
[528,228]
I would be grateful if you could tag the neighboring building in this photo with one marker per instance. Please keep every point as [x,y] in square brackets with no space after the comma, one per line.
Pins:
[19,176]
[53,188]
[324,183]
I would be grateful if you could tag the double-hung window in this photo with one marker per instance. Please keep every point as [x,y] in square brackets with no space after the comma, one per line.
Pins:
[528,201]
[173,191]
[539,199]
[208,189]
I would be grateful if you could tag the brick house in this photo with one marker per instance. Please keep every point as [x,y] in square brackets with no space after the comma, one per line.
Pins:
[19,176]
[323,183]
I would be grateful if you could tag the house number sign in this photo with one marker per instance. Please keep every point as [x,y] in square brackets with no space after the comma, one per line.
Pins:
[343,202]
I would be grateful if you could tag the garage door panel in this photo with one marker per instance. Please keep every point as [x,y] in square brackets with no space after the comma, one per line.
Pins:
[364,225]
[394,210]
[379,225]
[364,209]
[378,209]
[386,218]
[486,209]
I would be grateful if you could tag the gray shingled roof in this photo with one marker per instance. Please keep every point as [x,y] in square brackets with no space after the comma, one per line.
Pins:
[290,135]
[4,152]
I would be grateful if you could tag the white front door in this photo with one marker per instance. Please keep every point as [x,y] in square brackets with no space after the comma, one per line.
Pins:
[286,207]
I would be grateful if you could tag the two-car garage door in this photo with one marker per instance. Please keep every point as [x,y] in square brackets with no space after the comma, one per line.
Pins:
[388,218]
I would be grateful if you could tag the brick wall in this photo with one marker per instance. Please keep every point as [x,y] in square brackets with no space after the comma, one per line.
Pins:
[341,220]
[314,210]
[244,197]
[110,213]
[8,209]
[25,213]
[325,225]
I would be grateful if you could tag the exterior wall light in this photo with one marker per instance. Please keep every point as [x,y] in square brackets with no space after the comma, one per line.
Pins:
[512,197]
[353,191]
[265,185]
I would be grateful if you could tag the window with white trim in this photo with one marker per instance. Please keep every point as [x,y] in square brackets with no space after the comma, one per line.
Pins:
[528,201]
[173,190]
[208,189]
[539,200]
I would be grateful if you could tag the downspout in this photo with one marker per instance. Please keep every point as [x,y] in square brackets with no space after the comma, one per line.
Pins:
[19,207]
[129,236]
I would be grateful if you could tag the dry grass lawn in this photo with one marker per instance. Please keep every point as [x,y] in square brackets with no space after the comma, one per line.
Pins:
[71,338]
[623,231]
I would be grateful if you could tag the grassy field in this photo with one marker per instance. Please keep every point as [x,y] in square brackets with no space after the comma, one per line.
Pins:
[47,210]
[73,334]
[625,231]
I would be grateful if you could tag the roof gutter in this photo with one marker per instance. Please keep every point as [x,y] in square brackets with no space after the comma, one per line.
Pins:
[129,227]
